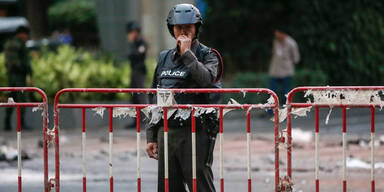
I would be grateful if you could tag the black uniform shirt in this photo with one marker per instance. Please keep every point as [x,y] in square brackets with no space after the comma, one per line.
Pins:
[188,72]
[136,55]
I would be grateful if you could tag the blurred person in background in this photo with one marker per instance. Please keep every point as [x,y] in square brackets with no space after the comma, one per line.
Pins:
[136,55]
[285,54]
[65,36]
[19,68]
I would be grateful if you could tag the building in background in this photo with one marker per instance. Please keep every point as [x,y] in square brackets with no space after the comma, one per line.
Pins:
[112,16]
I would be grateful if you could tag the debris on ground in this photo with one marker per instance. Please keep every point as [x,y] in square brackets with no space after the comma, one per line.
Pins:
[300,136]
[357,163]
[10,154]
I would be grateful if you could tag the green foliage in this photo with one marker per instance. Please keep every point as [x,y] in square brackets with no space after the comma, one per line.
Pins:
[344,39]
[79,16]
[306,77]
[69,67]
[74,14]
[3,75]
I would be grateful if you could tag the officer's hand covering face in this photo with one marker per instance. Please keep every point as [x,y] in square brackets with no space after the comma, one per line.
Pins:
[184,35]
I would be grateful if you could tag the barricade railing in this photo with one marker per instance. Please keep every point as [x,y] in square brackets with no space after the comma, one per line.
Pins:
[272,104]
[18,105]
[340,97]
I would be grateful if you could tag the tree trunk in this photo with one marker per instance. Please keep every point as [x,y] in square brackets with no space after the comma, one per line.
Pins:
[37,16]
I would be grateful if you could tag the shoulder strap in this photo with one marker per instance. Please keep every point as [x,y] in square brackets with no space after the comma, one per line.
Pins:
[221,66]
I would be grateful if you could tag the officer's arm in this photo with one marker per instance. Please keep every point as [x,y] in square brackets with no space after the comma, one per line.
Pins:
[204,72]
[151,130]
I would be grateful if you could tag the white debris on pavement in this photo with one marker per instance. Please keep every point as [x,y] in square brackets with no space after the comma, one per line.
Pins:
[123,112]
[99,111]
[357,163]
[298,135]
[8,153]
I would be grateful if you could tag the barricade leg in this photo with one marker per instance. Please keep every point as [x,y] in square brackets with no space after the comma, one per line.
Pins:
[221,157]
[194,187]
[372,148]
[249,150]
[344,149]
[317,150]
[165,150]
[277,171]
[19,148]
[110,148]
[138,156]
[83,149]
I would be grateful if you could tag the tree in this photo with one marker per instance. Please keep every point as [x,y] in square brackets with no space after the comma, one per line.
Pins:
[36,11]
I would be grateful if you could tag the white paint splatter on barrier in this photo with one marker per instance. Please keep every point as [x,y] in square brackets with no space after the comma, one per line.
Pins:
[329,114]
[170,112]
[346,97]
[296,112]
[183,114]
[99,111]
[153,113]
[123,112]
[231,103]
[201,110]
[10,100]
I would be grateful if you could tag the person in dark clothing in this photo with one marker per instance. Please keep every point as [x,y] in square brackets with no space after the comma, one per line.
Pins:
[136,55]
[18,68]
[189,65]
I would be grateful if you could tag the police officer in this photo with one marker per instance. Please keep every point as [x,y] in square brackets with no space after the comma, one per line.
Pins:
[189,65]
[18,68]
[136,56]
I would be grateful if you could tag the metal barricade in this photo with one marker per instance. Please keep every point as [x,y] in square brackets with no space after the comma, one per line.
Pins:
[43,106]
[273,105]
[341,97]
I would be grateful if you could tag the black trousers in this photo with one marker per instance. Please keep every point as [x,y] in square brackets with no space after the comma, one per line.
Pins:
[137,81]
[180,159]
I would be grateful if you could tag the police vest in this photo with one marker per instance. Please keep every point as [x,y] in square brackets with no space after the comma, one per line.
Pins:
[177,75]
